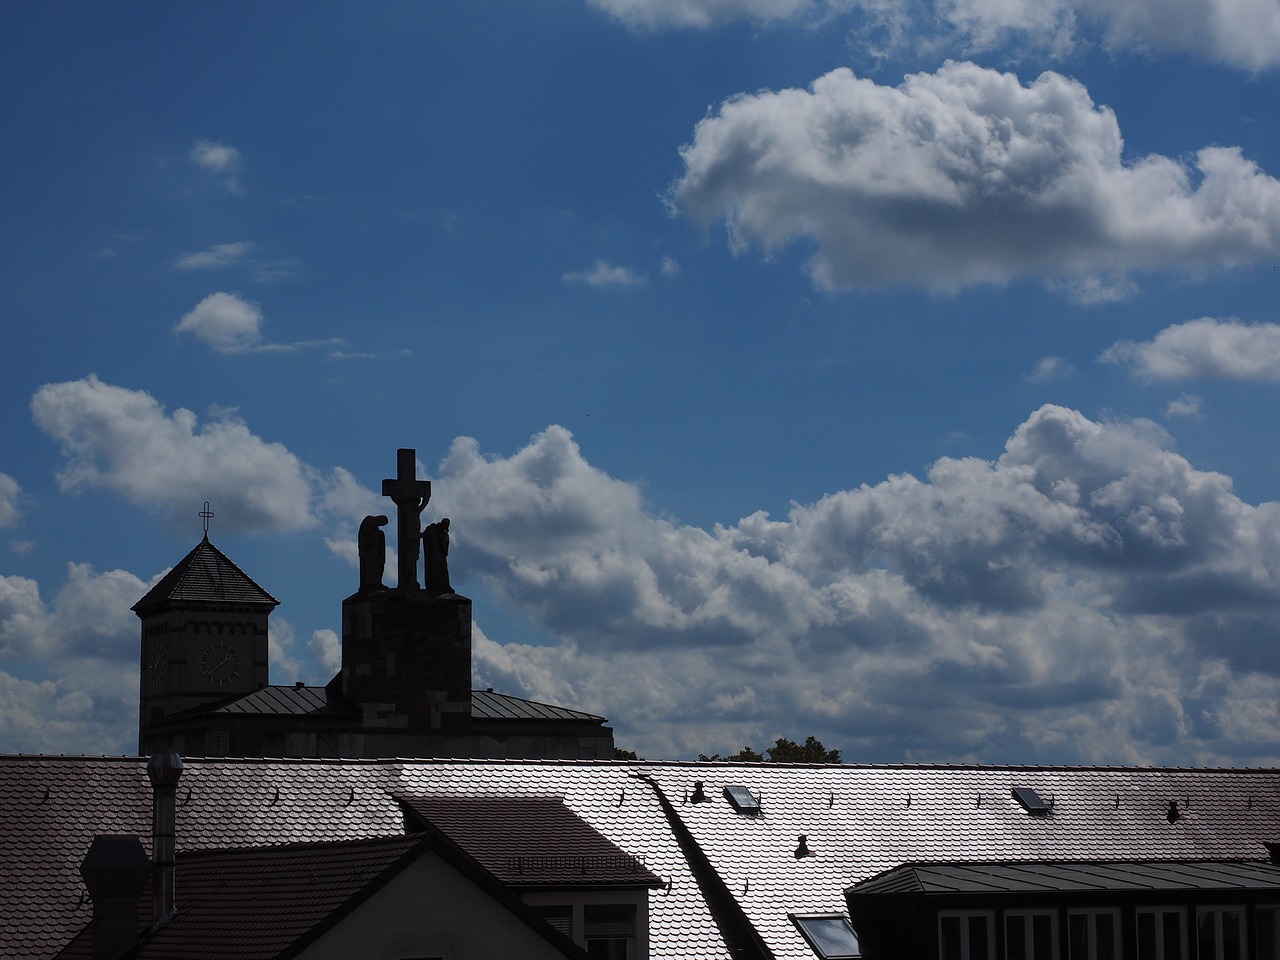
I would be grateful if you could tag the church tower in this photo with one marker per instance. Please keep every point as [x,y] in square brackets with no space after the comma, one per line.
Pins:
[204,639]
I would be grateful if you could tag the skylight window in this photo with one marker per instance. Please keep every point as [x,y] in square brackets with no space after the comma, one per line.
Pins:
[831,937]
[742,799]
[1031,801]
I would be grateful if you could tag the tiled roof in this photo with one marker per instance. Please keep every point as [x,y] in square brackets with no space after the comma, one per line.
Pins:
[859,821]
[1068,876]
[487,705]
[205,575]
[530,841]
[254,904]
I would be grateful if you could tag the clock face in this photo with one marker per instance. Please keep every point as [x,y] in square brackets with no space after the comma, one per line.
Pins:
[157,663]
[220,663]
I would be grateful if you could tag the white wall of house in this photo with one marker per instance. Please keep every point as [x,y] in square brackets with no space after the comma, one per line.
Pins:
[430,910]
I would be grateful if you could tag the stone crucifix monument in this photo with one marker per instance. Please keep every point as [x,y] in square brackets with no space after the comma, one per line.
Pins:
[410,495]
[406,651]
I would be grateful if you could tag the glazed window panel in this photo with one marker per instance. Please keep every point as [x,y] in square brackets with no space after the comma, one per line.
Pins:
[1267,938]
[1220,933]
[1161,933]
[1093,935]
[966,936]
[1031,935]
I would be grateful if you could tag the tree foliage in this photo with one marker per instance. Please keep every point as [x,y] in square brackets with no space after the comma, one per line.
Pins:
[783,751]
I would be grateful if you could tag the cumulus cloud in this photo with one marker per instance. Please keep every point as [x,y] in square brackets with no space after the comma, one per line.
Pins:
[123,441]
[604,274]
[1206,348]
[1188,406]
[10,501]
[963,177]
[219,255]
[1240,33]
[221,161]
[89,617]
[1066,601]
[225,323]
[1049,368]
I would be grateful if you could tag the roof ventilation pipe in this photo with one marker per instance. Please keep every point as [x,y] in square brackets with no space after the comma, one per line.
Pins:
[164,769]
[115,870]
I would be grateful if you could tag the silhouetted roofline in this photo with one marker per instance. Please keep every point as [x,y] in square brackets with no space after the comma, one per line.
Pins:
[205,575]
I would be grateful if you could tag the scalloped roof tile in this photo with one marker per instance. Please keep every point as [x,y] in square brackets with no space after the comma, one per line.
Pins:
[860,820]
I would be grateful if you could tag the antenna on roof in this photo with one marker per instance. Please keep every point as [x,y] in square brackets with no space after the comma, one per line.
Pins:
[206,515]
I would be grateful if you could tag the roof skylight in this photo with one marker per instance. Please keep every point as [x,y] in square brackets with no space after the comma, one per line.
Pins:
[742,799]
[832,937]
[1031,801]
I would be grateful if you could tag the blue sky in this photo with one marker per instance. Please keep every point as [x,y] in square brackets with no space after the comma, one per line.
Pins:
[899,373]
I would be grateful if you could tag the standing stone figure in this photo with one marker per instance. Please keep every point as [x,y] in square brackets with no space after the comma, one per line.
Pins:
[371,543]
[435,545]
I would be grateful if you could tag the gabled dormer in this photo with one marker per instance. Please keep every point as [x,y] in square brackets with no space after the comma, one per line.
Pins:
[204,639]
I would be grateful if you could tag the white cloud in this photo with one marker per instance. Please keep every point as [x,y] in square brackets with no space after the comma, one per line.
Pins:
[604,274]
[1188,406]
[1065,601]
[220,160]
[10,501]
[89,617]
[1202,349]
[1088,596]
[964,177]
[326,649]
[226,323]
[656,14]
[123,440]
[669,267]
[1240,33]
[219,255]
[1049,368]
[91,709]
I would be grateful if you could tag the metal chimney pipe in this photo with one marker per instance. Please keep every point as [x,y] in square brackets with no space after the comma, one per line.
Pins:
[164,770]
[115,870]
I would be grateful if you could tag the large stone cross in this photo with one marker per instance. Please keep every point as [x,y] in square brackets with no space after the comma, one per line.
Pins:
[410,495]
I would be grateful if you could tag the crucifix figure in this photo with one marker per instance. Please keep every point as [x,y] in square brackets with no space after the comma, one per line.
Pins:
[410,496]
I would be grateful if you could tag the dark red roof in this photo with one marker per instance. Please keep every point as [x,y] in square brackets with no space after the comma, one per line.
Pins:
[259,903]
[530,841]
[205,575]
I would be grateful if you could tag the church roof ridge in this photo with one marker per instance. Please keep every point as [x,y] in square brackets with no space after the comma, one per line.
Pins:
[205,575]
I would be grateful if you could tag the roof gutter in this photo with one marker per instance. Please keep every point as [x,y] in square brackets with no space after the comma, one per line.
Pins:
[739,933]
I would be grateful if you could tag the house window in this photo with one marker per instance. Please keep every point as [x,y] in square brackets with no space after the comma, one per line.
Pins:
[610,931]
[1267,938]
[1162,933]
[1093,935]
[830,937]
[1030,935]
[965,936]
[1220,933]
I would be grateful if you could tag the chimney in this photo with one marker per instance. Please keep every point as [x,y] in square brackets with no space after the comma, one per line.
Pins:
[164,769]
[115,870]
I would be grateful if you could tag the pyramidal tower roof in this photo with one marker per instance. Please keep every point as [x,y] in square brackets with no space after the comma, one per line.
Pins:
[205,575]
